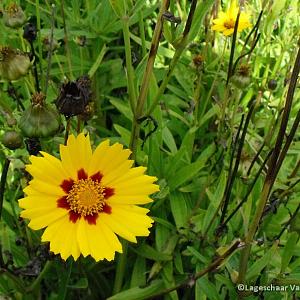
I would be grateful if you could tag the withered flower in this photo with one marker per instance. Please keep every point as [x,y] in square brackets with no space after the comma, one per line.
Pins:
[30,32]
[13,63]
[74,97]
[14,16]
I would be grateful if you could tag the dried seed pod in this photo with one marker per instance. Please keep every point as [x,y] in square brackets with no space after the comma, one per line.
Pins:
[14,16]
[13,63]
[198,61]
[242,77]
[272,84]
[12,140]
[74,97]
[40,119]
[46,44]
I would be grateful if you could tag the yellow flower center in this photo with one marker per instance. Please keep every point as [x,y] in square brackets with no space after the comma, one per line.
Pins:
[86,197]
[229,23]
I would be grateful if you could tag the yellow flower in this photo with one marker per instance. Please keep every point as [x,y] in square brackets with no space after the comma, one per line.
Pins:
[86,198]
[225,21]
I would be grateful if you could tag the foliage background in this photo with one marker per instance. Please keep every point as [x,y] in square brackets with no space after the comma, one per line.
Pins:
[189,147]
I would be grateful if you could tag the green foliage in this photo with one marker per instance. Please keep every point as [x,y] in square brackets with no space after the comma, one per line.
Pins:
[187,136]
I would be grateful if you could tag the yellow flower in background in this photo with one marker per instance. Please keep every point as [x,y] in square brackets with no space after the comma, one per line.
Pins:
[86,198]
[226,20]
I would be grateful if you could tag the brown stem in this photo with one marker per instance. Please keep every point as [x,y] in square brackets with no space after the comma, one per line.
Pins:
[3,182]
[191,280]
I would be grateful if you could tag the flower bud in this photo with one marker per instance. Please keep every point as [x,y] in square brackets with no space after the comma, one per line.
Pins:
[12,140]
[14,16]
[13,63]
[39,120]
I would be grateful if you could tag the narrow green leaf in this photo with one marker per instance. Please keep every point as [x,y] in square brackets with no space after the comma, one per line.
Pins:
[190,171]
[289,250]
[201,10]
[138,277]
[179,209]
[122,106]
[260,264]
[119,7]
[138,293]
[150,253]
[169,139]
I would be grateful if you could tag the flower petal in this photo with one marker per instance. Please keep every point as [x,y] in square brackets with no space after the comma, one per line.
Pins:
[38,202]
[41,218]
[39,187]
[76,154]
[128,221]
[103,242]
[63,242]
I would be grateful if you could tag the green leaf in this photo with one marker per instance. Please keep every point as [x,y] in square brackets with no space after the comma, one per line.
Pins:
[179,209]
[289,250]
[201,10]
[82,283]
[190,171]
[119,7]
[260,264]
[149,252]
[169,139]
[138,293]
[124,133]
[215,199]
[196,254]
[203,285]
[122,106]
[138,277]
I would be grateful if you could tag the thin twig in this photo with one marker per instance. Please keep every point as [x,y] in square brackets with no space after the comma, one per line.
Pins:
[49,56]
[35,72]
[146,77]
[3,182]
[236,165]
[244,200]
[68,53]
[229,72]
[286,225]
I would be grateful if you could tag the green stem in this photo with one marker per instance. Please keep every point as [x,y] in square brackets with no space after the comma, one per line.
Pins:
[203,110]
[142,33]
[179,50]
[129,67]
[49,58]
[197,97]
[146,78]
[67,49]
[98,61]
[38,21]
